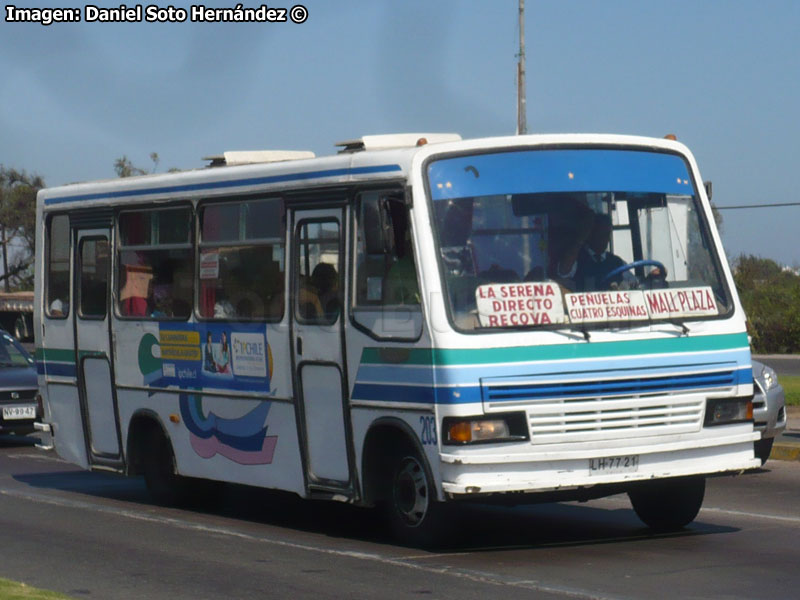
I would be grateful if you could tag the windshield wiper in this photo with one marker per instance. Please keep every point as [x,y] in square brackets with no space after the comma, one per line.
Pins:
[684,329]
[682,325]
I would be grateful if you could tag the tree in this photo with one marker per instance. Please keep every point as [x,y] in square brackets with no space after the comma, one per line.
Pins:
[770,296]
[125,168]
[18,191]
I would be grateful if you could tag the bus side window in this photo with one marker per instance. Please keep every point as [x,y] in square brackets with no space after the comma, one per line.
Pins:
[58,267]
[94,272]
[386,274]
[155,251]
[242,260]
[386,299]
[401,285]
[318,286]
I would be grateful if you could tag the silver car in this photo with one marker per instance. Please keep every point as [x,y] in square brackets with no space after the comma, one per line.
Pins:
[769,408]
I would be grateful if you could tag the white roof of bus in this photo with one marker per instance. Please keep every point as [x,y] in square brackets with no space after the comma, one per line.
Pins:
[343,168]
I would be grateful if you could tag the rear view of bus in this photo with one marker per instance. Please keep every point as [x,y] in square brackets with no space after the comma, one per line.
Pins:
[587,336]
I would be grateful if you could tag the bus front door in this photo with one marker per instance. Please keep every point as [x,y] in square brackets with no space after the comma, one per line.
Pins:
[93,345]
[318,349]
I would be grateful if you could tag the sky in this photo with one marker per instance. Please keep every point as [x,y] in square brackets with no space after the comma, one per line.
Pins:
[722,75]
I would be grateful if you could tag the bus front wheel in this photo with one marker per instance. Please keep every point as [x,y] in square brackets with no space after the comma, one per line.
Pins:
[763,448]
[414,513]
[668,504]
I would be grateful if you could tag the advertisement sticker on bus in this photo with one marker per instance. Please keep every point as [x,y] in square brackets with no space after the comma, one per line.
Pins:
[225,356]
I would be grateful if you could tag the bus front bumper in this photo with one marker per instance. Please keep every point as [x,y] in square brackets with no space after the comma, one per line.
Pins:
[546,470]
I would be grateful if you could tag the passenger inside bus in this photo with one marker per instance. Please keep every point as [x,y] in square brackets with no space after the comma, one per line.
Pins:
[325,281]
[594,261]
[308,305]
[136,290]
[586,261]
[59,308]
[569,227]
[161,301]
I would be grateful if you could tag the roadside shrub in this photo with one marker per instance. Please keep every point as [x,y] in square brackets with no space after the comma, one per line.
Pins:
[770,295]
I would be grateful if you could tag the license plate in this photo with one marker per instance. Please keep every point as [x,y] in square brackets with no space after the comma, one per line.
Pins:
[11,413]
[614,464]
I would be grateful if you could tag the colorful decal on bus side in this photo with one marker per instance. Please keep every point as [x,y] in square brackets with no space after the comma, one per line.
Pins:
[194,356]
[243,440]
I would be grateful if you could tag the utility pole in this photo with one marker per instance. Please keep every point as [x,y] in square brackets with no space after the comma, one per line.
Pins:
[522,109]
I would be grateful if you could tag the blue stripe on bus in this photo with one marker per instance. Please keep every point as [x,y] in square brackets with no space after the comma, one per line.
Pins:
[620,387]
[392,392]
[57,369]
[228,184]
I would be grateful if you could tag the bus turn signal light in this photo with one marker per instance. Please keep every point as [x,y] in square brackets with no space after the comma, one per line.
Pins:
[460,432]
[483,430]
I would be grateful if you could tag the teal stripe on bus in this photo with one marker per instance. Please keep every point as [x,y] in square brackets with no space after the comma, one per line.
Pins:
[569,351]
[62,355]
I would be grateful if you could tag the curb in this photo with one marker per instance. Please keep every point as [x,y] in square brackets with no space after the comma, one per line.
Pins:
[787,447]
[785,451]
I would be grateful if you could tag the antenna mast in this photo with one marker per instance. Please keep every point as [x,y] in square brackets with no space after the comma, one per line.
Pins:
[522,119]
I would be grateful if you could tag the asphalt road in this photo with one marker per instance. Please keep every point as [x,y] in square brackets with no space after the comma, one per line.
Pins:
[95,535]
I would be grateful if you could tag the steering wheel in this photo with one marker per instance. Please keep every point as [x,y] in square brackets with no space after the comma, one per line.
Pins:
[634,265]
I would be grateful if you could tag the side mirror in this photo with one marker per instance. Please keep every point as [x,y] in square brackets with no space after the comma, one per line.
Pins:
[707,185]
[387,227]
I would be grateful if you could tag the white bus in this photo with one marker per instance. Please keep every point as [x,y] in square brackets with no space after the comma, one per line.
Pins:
[415,321]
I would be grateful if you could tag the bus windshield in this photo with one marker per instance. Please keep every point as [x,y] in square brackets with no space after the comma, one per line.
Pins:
[559,237]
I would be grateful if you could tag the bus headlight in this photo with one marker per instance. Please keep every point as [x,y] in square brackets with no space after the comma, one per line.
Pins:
[724,411]
[509,427]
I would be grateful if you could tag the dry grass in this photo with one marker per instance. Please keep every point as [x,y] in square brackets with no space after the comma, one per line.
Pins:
[11,590]
[791,385]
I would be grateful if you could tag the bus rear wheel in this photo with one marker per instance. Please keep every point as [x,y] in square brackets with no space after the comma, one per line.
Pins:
[668,504]
[414,513]
[166,487]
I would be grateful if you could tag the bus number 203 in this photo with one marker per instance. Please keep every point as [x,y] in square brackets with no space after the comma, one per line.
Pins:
[428,431]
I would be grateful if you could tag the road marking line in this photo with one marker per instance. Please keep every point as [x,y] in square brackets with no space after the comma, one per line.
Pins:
[476,576]
[711,509]
[742,513]
[35,456]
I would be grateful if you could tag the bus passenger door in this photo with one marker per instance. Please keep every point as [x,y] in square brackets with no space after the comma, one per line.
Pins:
[93,345]
[317,348]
